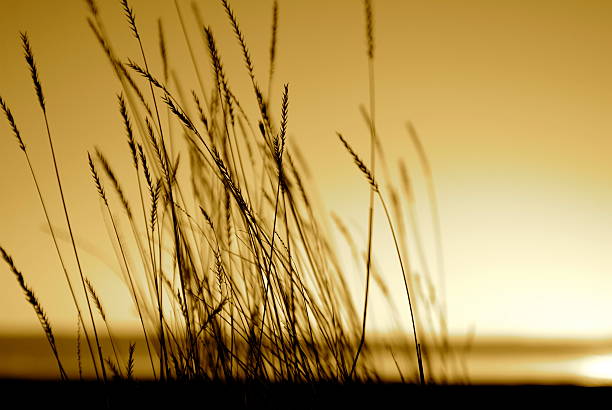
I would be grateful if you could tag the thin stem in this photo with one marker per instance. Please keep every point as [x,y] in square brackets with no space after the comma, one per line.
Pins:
[76,254]
[373,172]
[399,256]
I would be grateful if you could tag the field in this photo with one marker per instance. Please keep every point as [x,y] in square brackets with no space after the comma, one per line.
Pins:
[243,285]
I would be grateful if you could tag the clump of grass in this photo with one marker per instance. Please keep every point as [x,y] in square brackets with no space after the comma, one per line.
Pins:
[236,277]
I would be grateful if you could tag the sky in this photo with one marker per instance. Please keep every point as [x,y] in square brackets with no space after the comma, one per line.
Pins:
[512,101]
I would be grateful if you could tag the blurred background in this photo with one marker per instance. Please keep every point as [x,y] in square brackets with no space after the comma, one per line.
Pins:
[512,100]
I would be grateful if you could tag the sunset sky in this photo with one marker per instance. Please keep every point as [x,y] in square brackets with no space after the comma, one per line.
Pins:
[512,100]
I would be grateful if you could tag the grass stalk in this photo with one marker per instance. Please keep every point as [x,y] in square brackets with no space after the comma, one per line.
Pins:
[370,52]
[40,313]
[29,56]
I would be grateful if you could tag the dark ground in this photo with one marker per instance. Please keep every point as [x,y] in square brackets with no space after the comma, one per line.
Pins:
[174,395]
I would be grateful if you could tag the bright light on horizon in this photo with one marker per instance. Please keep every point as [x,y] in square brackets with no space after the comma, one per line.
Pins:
[597,367]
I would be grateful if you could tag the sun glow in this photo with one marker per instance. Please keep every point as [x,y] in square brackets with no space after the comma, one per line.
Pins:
[597,367]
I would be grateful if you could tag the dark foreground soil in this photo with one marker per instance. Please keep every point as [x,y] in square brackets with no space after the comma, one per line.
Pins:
[206,395]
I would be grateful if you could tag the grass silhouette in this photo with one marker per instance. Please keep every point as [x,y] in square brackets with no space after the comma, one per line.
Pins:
[236,277]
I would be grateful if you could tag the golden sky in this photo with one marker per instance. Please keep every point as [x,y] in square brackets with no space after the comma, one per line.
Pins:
[512,100]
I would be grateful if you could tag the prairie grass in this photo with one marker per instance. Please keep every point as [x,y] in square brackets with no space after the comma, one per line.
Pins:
[235,277]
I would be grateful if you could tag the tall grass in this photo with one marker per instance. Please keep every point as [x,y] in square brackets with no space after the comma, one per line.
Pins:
[235,276]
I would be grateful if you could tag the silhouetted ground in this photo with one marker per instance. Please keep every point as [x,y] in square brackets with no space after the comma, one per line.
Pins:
[496,361]
[174,395]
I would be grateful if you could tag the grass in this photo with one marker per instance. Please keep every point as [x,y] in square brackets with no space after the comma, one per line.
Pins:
[236,277]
